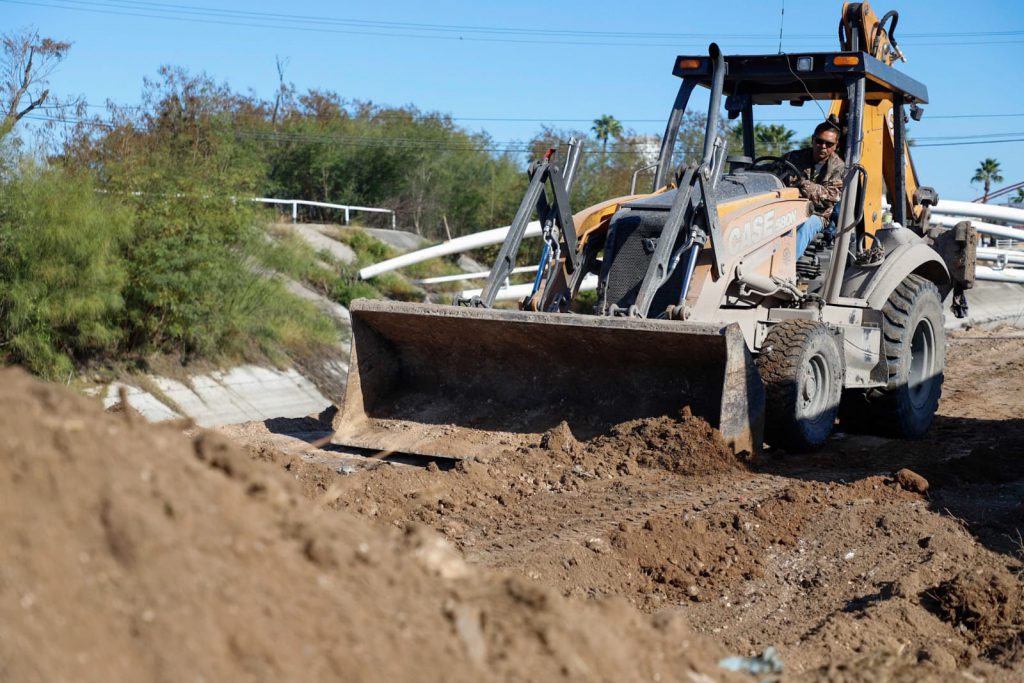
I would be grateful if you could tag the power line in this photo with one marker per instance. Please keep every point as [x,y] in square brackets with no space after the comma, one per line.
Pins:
[971,116]
[497,34]
[467,28]
[973,142]
[526,119]
[965,137]
[510,146]
[501,147]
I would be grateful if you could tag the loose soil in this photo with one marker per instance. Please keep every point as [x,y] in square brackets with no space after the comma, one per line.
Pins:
[134,551]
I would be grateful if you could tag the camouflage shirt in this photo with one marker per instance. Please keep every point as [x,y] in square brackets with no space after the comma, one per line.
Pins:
[822,186]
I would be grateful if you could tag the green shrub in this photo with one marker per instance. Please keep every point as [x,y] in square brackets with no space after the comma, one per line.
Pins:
[394,286]
[272,322]
[290,255]
[348,287]
[368,249]
[61,270]
[196,289]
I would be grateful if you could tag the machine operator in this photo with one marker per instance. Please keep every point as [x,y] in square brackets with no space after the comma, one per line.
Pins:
[821,180]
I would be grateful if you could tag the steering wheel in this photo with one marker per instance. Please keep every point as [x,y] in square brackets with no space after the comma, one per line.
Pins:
[790,168]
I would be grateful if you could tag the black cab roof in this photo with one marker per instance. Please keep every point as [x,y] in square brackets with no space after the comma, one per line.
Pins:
[798,77]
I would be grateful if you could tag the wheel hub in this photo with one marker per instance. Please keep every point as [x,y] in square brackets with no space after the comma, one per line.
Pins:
[815,387]
[921,373]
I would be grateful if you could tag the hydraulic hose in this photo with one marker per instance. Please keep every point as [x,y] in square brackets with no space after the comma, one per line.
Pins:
[715,103]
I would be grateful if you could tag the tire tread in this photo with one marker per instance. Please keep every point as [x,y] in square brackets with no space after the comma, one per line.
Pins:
[897,312]
[779,365]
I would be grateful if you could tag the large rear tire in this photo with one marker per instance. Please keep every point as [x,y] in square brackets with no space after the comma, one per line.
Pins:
[914,343]
[802,373]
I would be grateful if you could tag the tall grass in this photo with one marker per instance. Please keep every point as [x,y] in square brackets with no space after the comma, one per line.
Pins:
[61,271]
[193,290]
[92,277]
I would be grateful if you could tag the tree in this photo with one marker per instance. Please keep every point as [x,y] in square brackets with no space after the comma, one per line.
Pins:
[1019,197]
[769,140]
[988,172]
[606,127]
[26,62]
[773,140]
[690,140]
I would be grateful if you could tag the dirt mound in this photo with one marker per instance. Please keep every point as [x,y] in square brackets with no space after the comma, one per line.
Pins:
[687,445]
[134,553]
[691,557]
[989,605]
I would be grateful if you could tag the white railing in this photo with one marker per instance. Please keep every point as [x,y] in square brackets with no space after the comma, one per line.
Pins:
[346,208]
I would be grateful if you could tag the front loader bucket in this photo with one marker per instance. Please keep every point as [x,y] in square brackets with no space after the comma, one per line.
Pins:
[454,381]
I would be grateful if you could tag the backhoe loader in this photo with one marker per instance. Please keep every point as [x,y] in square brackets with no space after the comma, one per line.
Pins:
[701,299]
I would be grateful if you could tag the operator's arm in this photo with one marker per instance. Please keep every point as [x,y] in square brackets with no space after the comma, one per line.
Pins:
[824,195]
[827,192]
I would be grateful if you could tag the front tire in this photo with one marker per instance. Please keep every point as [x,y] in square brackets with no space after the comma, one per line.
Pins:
[914,342]
[802,373]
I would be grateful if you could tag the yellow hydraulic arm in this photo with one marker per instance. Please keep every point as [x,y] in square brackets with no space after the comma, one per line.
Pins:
[860,29]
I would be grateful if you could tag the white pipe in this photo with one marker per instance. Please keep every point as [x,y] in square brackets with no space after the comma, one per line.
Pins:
[1015,275]
[988,254]
[987,228]
[469,276]
[455,246]
[519,292]
[975,210]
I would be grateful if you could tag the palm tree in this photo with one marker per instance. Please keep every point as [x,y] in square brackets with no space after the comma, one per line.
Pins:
[774,139]
[606,127]
[988,172]
[1019,197]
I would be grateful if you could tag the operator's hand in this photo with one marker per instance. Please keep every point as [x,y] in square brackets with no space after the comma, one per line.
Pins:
[804,186]
[786,175]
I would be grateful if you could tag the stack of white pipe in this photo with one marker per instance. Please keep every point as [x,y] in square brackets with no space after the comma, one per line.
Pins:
[949,207]
[949,213]
[455,246]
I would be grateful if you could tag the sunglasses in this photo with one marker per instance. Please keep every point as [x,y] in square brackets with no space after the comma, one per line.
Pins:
[824,143]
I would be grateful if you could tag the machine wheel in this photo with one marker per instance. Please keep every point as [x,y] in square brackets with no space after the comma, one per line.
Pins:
[914,343]
[802,373]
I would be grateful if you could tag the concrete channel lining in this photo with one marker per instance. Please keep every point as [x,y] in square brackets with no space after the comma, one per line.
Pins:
[241,394]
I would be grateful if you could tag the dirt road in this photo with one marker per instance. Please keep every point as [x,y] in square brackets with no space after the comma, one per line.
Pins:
[826,557]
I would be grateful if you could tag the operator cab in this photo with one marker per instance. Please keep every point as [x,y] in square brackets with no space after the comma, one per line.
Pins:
[636,275]
[847,81]
[796,78]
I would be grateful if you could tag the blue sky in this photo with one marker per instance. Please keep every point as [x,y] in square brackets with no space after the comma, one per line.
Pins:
[507,67]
